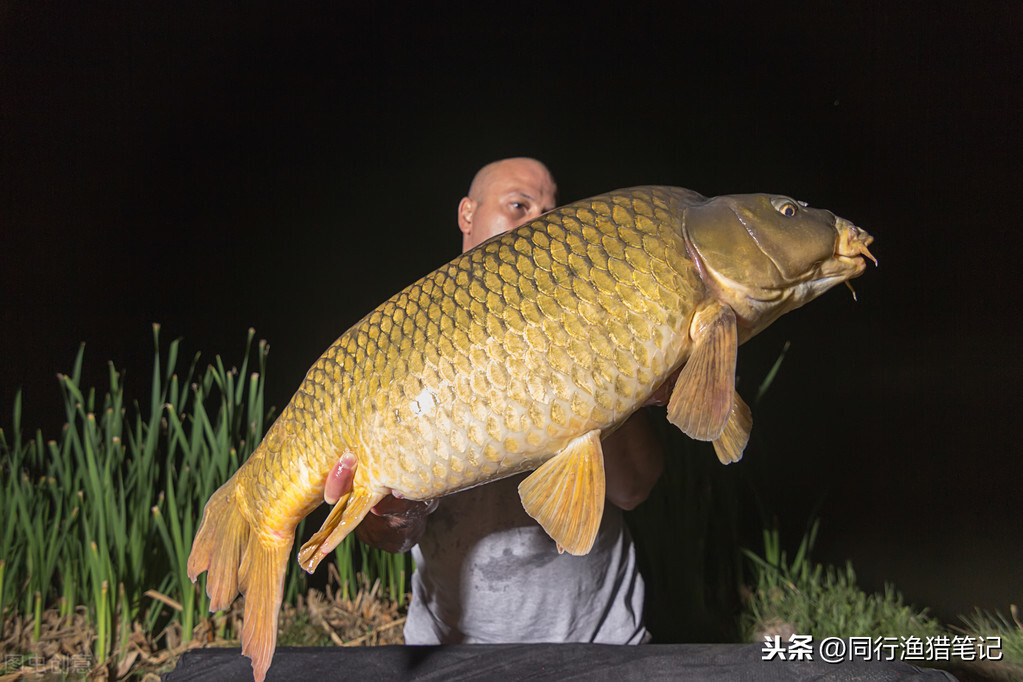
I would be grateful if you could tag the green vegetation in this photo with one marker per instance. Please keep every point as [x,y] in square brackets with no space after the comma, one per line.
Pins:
[100,520]
[810,599]
[985,625]
[798,596]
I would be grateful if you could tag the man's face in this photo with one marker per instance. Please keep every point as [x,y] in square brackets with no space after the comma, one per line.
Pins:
[513,192]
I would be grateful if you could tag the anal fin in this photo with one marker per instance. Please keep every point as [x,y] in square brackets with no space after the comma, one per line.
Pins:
[342,520]
[702,398]
[732,441]
[566,494]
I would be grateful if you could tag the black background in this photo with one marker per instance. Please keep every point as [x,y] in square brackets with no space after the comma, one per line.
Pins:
[218,167]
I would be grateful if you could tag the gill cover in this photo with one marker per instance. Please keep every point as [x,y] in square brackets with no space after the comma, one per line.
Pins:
[761,241]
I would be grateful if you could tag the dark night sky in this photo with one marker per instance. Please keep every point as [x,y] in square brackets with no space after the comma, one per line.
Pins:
[287,169]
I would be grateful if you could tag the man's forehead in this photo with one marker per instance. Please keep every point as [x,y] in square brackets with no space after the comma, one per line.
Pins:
[531,183]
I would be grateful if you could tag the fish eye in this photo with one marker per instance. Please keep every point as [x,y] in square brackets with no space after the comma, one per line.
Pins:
[786,207]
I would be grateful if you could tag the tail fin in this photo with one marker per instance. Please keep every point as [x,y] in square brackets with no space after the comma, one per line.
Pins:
[239,560]
[222,535]
[261,579]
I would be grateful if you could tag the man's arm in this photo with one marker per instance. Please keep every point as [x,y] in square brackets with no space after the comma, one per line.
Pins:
[633,457]
[633,461]
[393,525]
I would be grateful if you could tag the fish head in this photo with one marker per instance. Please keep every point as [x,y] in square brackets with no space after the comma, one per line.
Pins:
[766,254]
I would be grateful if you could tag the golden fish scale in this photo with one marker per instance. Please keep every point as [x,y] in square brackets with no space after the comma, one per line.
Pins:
[493,363]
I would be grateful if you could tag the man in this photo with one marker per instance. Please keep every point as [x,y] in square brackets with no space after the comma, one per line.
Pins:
[485,571]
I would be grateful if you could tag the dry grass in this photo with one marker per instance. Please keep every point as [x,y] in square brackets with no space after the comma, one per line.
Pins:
[368,619]
[65,647]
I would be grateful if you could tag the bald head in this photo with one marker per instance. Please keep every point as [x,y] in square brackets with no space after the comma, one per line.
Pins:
[503,195]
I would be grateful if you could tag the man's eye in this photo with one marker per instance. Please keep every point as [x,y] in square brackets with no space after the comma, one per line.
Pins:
[519,206]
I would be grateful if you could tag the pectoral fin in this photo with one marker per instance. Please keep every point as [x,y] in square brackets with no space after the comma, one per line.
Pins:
[342,520]
[732,441]
[566,494]
[702,399]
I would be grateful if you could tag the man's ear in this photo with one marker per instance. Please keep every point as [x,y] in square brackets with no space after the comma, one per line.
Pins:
[466,209]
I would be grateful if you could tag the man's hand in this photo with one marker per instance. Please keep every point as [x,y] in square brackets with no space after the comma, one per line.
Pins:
[396,524]
[393,525]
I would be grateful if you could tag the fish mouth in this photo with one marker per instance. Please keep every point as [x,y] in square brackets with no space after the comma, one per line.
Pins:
[851,249]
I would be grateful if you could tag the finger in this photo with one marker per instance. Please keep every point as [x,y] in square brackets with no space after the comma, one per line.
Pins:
[339,480]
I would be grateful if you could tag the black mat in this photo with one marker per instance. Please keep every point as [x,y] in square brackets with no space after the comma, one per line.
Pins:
[494,662]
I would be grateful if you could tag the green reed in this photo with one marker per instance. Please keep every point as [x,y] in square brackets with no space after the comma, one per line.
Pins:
[823,601]
[106,512]
[985,624]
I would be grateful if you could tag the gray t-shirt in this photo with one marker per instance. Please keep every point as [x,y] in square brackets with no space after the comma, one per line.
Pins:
[488,573]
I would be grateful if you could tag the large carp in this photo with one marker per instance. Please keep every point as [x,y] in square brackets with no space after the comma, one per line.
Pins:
[520,354]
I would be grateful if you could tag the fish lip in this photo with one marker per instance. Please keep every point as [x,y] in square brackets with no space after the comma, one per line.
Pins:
[850,266]
[852,244]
